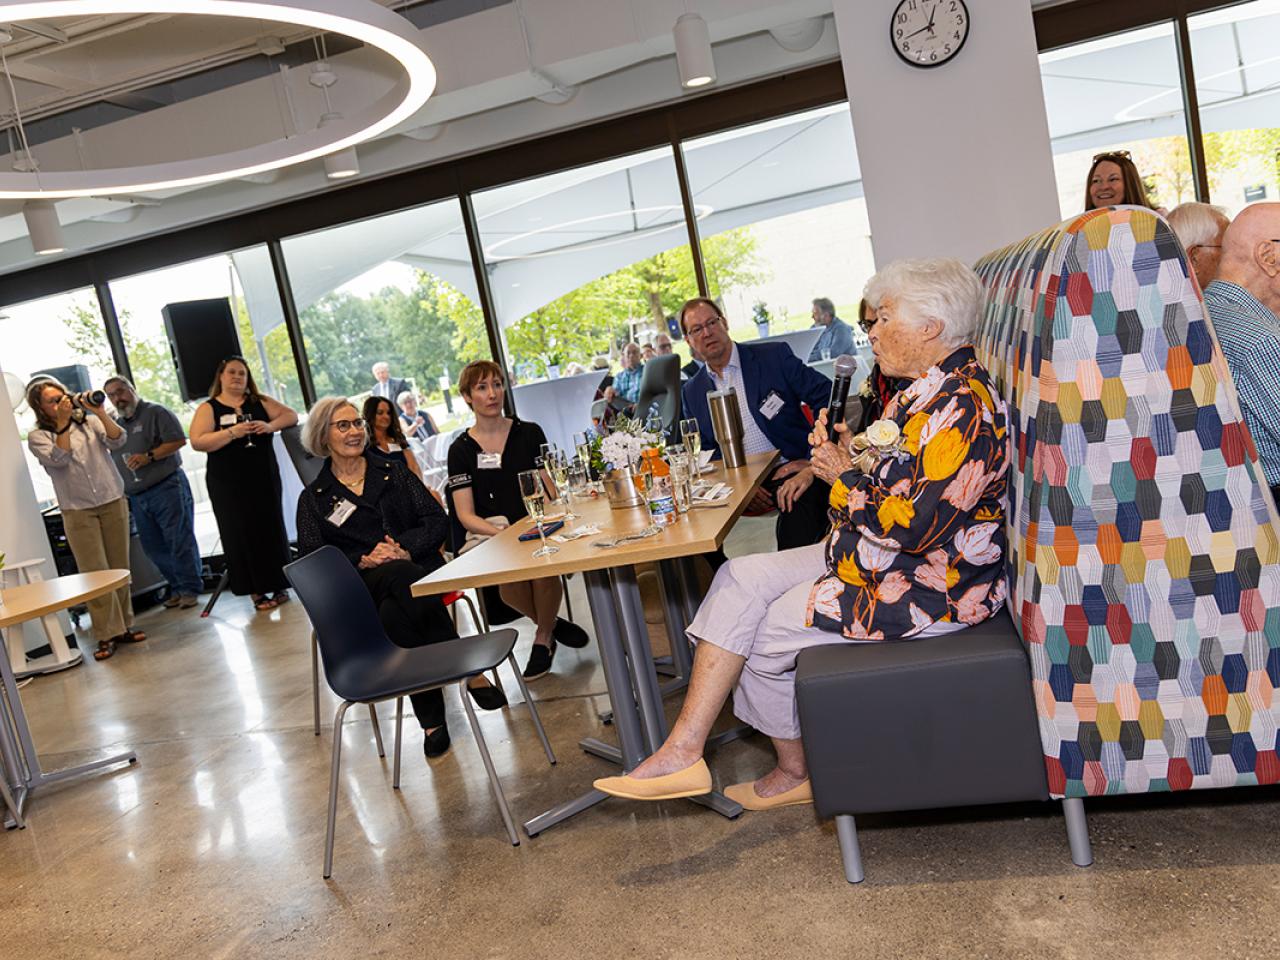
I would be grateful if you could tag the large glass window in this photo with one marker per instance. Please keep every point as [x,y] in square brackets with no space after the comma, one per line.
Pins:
[1237,84]
[63,335]
[399,290]
[783,222]
[1118,93]
[580,263]
[245,280]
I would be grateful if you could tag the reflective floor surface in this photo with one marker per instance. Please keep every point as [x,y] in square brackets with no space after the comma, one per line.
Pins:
[211,846]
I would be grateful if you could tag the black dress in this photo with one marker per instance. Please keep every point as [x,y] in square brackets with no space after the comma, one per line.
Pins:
[244,488]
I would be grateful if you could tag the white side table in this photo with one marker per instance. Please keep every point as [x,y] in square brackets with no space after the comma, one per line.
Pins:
[62,657]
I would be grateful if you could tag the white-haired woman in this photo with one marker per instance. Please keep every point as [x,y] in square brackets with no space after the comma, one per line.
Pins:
[391,529]
[916,546]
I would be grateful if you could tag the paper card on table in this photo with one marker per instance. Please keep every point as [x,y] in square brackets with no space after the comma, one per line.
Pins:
[586,530]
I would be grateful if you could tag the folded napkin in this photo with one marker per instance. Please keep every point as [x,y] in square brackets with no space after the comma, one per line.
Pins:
[586,530]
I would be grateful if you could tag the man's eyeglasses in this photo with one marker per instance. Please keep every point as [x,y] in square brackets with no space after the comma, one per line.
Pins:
[700,329]
[1122,154]
[345,426]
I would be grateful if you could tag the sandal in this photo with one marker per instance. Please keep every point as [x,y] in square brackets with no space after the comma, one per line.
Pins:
[105,650]
[262,602]
[280,596]
[131,636]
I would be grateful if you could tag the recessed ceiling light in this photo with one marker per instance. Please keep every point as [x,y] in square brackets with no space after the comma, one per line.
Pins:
[362,20]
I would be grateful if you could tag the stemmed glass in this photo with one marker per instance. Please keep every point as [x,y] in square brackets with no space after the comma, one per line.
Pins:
[692,441]
[535,501]
[246,418]
[558,466]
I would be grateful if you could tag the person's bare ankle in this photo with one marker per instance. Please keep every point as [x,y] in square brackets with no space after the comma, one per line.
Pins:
[669,759]
[778,781]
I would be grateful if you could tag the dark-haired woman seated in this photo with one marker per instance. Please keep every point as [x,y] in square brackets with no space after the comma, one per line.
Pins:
[916,547]
[391,529]
[386,437]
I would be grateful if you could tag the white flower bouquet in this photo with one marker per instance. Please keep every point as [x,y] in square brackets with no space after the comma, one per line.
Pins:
[880,440]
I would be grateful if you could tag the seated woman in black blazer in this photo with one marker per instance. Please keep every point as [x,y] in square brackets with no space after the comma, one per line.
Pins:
[391,529]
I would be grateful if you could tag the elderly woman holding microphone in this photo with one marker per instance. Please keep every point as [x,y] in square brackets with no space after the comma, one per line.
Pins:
[916,547]
[391,529]
[74,446]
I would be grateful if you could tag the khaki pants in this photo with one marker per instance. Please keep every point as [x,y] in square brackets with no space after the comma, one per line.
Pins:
[99,538]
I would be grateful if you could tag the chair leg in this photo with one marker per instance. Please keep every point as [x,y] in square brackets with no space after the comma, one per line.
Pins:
[475,616]
[488,762]
[484,613]
[850,854]
[395,778]
[568,603]
[1077,831]
[333,787]
[377,729]
[315,681]
[533,710]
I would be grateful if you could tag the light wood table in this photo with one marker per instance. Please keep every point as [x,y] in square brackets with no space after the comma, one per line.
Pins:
[616,609]
[21,765]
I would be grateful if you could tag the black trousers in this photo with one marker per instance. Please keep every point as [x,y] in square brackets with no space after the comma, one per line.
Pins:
[806,523]
[410,622]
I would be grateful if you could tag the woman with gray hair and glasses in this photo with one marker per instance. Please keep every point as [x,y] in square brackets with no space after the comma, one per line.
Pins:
[391,529]
[916,546]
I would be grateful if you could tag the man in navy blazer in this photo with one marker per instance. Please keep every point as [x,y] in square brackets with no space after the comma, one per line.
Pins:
[771,383]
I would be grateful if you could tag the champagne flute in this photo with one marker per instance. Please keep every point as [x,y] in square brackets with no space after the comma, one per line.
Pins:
[246,418]
[534,494]
[692,441]
[558,467]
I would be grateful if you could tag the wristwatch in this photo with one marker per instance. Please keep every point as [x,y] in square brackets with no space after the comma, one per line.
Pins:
[151,456]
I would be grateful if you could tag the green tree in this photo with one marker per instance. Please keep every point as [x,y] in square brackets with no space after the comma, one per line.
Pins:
[150,363]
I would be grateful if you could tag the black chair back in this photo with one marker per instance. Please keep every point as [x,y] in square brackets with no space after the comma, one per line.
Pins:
[308,466]
[660,384]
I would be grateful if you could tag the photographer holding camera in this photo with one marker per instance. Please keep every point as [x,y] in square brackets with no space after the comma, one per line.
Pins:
[73,442]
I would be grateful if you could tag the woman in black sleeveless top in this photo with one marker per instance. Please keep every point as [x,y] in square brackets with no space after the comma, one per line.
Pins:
[234,428]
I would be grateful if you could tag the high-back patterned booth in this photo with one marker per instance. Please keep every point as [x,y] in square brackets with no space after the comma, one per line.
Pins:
[1144,584]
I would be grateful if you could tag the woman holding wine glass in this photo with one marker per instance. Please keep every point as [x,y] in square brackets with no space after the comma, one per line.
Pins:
[485,496]
[244,480]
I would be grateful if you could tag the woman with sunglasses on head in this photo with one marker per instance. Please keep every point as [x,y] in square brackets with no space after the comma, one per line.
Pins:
[1114,180]
[391,529]
[234,427]
[386,437]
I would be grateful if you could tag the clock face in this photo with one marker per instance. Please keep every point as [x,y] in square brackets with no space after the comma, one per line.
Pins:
[928,33]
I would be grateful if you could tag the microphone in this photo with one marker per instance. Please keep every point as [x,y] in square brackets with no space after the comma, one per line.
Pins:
[841,381]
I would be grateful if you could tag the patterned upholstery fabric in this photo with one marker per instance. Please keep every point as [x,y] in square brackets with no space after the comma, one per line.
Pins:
[1143,551]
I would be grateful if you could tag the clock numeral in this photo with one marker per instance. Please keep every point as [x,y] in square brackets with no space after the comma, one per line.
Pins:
[946,49]
[953,6]
[906,47]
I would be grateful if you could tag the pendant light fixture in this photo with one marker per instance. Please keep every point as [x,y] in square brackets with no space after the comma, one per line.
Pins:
[43,227]
[693,52]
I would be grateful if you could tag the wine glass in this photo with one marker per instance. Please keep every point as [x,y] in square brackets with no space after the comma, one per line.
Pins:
[246,418]
[535,496]
[692,441]
[558,466]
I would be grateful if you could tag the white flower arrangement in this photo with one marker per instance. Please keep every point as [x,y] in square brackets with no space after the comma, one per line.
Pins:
[624,445]
[880,440]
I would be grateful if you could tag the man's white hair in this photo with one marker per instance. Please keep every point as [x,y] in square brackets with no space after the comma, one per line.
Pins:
[1198,224]
[942,289]
[381,365]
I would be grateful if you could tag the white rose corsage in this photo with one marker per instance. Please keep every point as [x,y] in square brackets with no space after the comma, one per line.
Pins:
[880,440]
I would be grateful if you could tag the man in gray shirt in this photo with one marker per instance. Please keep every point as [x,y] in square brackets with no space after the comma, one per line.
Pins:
[837,336]
[159,494]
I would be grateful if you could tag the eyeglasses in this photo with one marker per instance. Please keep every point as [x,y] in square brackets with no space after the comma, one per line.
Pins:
[866,324]
[1122,154]
[346,426]
[702,328]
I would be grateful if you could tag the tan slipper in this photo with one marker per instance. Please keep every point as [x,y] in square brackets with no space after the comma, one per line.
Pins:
[745,794]
[693,781]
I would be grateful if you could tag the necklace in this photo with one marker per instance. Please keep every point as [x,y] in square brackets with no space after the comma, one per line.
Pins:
[354,482]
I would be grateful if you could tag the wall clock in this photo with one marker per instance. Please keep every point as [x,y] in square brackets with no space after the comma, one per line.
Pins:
[928,33]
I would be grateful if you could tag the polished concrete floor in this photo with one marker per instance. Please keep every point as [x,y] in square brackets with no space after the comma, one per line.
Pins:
[211,846]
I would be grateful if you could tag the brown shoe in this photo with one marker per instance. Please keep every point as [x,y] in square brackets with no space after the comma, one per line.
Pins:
[692,781]
[131,636]
[745,794]
[106,649]
[186,603]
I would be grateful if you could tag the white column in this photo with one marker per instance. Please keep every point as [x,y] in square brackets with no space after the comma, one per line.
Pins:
[22,535]
[955,159]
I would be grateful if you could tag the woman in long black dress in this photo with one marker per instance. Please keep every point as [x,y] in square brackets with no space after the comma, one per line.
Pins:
[234,428]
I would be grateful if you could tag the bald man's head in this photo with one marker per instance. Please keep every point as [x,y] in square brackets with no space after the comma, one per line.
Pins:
[1251,252]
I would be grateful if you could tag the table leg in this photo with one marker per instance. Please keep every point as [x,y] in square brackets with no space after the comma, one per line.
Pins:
[677,624]
[626,719]
[12,770]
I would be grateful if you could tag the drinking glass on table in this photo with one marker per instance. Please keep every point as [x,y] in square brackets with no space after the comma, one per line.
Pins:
[535,501]
[692,440]
[579,479]
[557,466]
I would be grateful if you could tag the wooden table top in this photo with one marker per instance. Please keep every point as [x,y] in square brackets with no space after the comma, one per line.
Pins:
[505,559]
[32,600]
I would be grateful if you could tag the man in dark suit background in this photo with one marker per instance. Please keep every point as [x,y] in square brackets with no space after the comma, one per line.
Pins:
[387,385]
[771,383]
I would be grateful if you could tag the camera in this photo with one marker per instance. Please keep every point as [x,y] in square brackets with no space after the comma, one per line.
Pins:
[88,398]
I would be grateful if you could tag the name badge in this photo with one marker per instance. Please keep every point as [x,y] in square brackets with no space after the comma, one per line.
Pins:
[137,429]
[393,448]
[489,461]
[227,420]
[342,510]
[772,404]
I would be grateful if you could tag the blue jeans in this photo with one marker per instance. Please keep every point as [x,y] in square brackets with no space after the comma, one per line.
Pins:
[165,516]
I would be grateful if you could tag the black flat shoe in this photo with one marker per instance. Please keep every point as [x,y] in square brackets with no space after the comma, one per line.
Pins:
[570,634]
[539,664]
[436,744]
[488,698]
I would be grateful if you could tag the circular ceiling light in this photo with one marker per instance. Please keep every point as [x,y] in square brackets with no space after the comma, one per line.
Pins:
[362,20]
[701,210]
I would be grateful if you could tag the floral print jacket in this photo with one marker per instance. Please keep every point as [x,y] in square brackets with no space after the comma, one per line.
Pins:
[920,538]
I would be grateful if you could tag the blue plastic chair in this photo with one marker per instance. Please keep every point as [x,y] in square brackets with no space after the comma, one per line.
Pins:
[362,665]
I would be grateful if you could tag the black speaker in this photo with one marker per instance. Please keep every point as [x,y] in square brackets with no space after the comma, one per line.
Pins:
[202,333]
[75,377]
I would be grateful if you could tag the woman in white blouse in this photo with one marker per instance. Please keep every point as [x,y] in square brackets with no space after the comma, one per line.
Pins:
[74,447]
